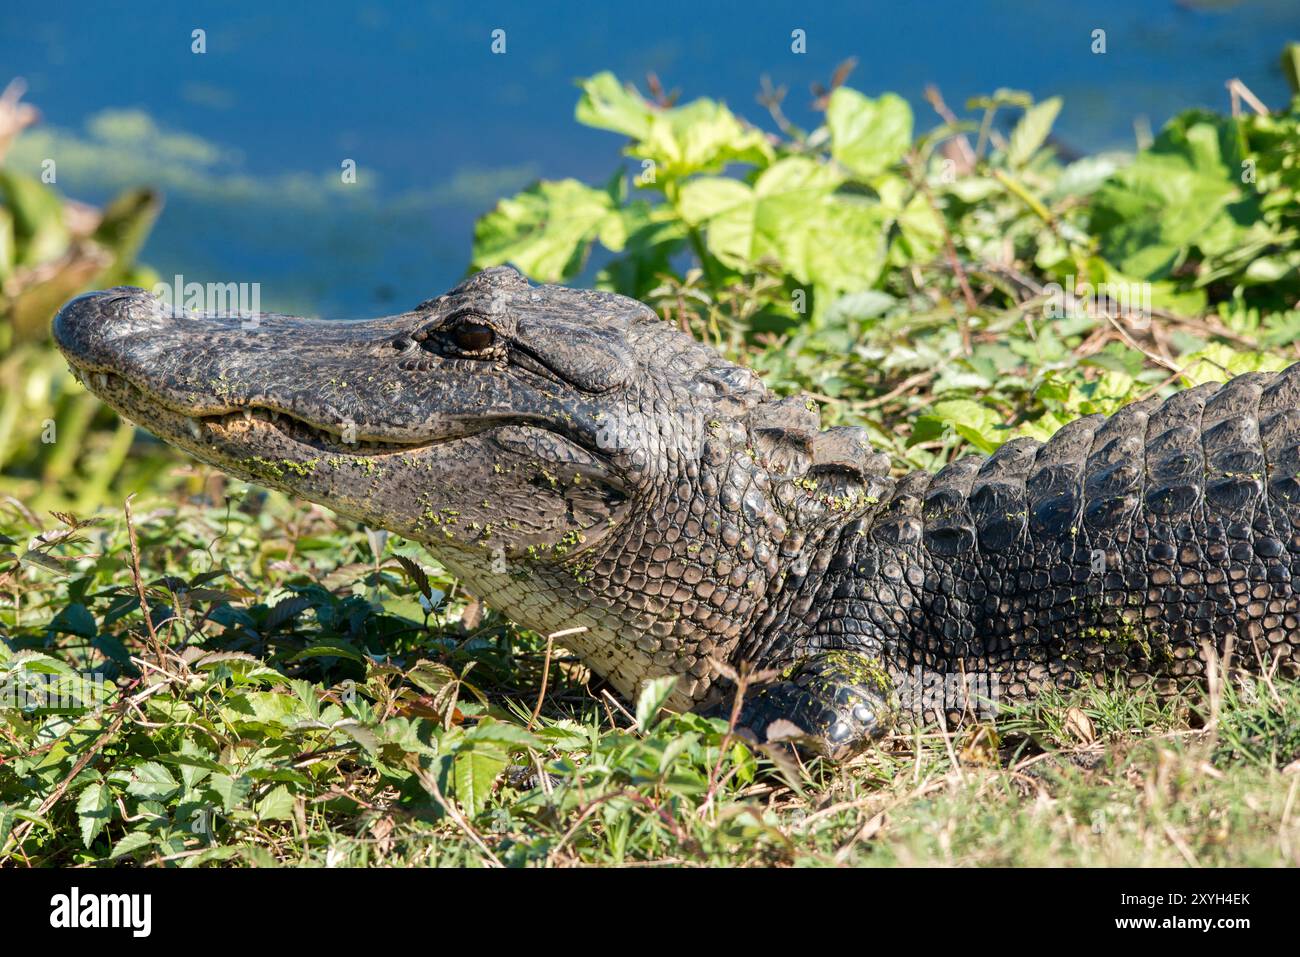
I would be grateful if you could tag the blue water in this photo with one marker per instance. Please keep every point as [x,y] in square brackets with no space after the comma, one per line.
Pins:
[245,134]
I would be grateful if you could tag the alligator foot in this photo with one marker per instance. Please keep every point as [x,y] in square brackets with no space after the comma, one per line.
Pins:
[832,704]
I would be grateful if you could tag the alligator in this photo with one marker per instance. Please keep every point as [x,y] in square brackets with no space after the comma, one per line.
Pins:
[584,466]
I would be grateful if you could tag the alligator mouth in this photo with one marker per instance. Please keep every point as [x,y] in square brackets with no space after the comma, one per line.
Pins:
[152,412]
[303,433]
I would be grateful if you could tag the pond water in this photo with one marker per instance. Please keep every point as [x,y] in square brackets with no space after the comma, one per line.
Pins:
[247,139]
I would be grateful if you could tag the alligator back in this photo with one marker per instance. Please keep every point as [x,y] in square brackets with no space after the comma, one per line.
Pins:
[1128,545]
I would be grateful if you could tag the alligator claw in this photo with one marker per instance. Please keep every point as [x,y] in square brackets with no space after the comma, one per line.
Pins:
[833,704]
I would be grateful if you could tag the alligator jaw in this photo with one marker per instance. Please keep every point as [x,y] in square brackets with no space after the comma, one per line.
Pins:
[352,415]
[248,425]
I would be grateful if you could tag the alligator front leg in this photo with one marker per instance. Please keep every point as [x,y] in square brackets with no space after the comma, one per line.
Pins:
[833,703]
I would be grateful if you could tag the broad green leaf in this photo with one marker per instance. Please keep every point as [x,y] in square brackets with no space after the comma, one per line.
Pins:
[75,619]
[973,189]
[37,662]
[609,105]
[150,781]
[276,806]
[233,791]
[94,809]
[545,231]
[500,732]
[920,230]
[130,843]
[37,211]
[1218,363]
[793,215]
[653,238]
[973,421]
[475,770]
[868,136]
[697,137]
[654,694]
[700,137]
[867,304]
[331,648]
[705,197]
[268,707]
[1171,197]
[1084,176]
[1031,132]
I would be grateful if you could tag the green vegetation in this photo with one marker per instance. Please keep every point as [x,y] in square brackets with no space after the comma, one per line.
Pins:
[948,290]
[302,692]
[294,689]
[58,446]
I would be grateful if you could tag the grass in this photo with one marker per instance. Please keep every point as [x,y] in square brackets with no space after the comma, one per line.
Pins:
[301,691]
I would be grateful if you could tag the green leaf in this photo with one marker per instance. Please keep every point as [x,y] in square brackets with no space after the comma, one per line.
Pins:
[94,809]
[701,137]
[792,215]
[75,619]
[331,648]
[150,781]
[1291,67]
[545,231]
[1172,196]
[501,732]
[654,694]
[125,226]
[475,770]
[130,843]
[37,662]
[609,105]
[858,306]
[973,421]
[232,790]
[1218,363]
[653,238]
[868,136]
[37,210]
[276,806]
[1031,132]
[704,198]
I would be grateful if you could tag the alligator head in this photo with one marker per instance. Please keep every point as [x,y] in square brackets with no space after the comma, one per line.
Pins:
[576,460]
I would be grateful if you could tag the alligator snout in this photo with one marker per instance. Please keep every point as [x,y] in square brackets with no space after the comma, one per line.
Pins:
[92,330]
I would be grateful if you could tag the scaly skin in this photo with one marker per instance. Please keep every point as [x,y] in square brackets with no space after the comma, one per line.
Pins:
[579,463]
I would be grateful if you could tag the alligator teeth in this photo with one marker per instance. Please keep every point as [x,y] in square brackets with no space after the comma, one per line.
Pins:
[101,380]
[196,429]
[248,415]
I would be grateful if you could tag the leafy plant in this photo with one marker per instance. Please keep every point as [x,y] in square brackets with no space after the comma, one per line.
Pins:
[863,262]
[58,446]
[288,694]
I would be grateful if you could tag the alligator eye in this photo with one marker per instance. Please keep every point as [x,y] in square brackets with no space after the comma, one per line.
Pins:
[473,337]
